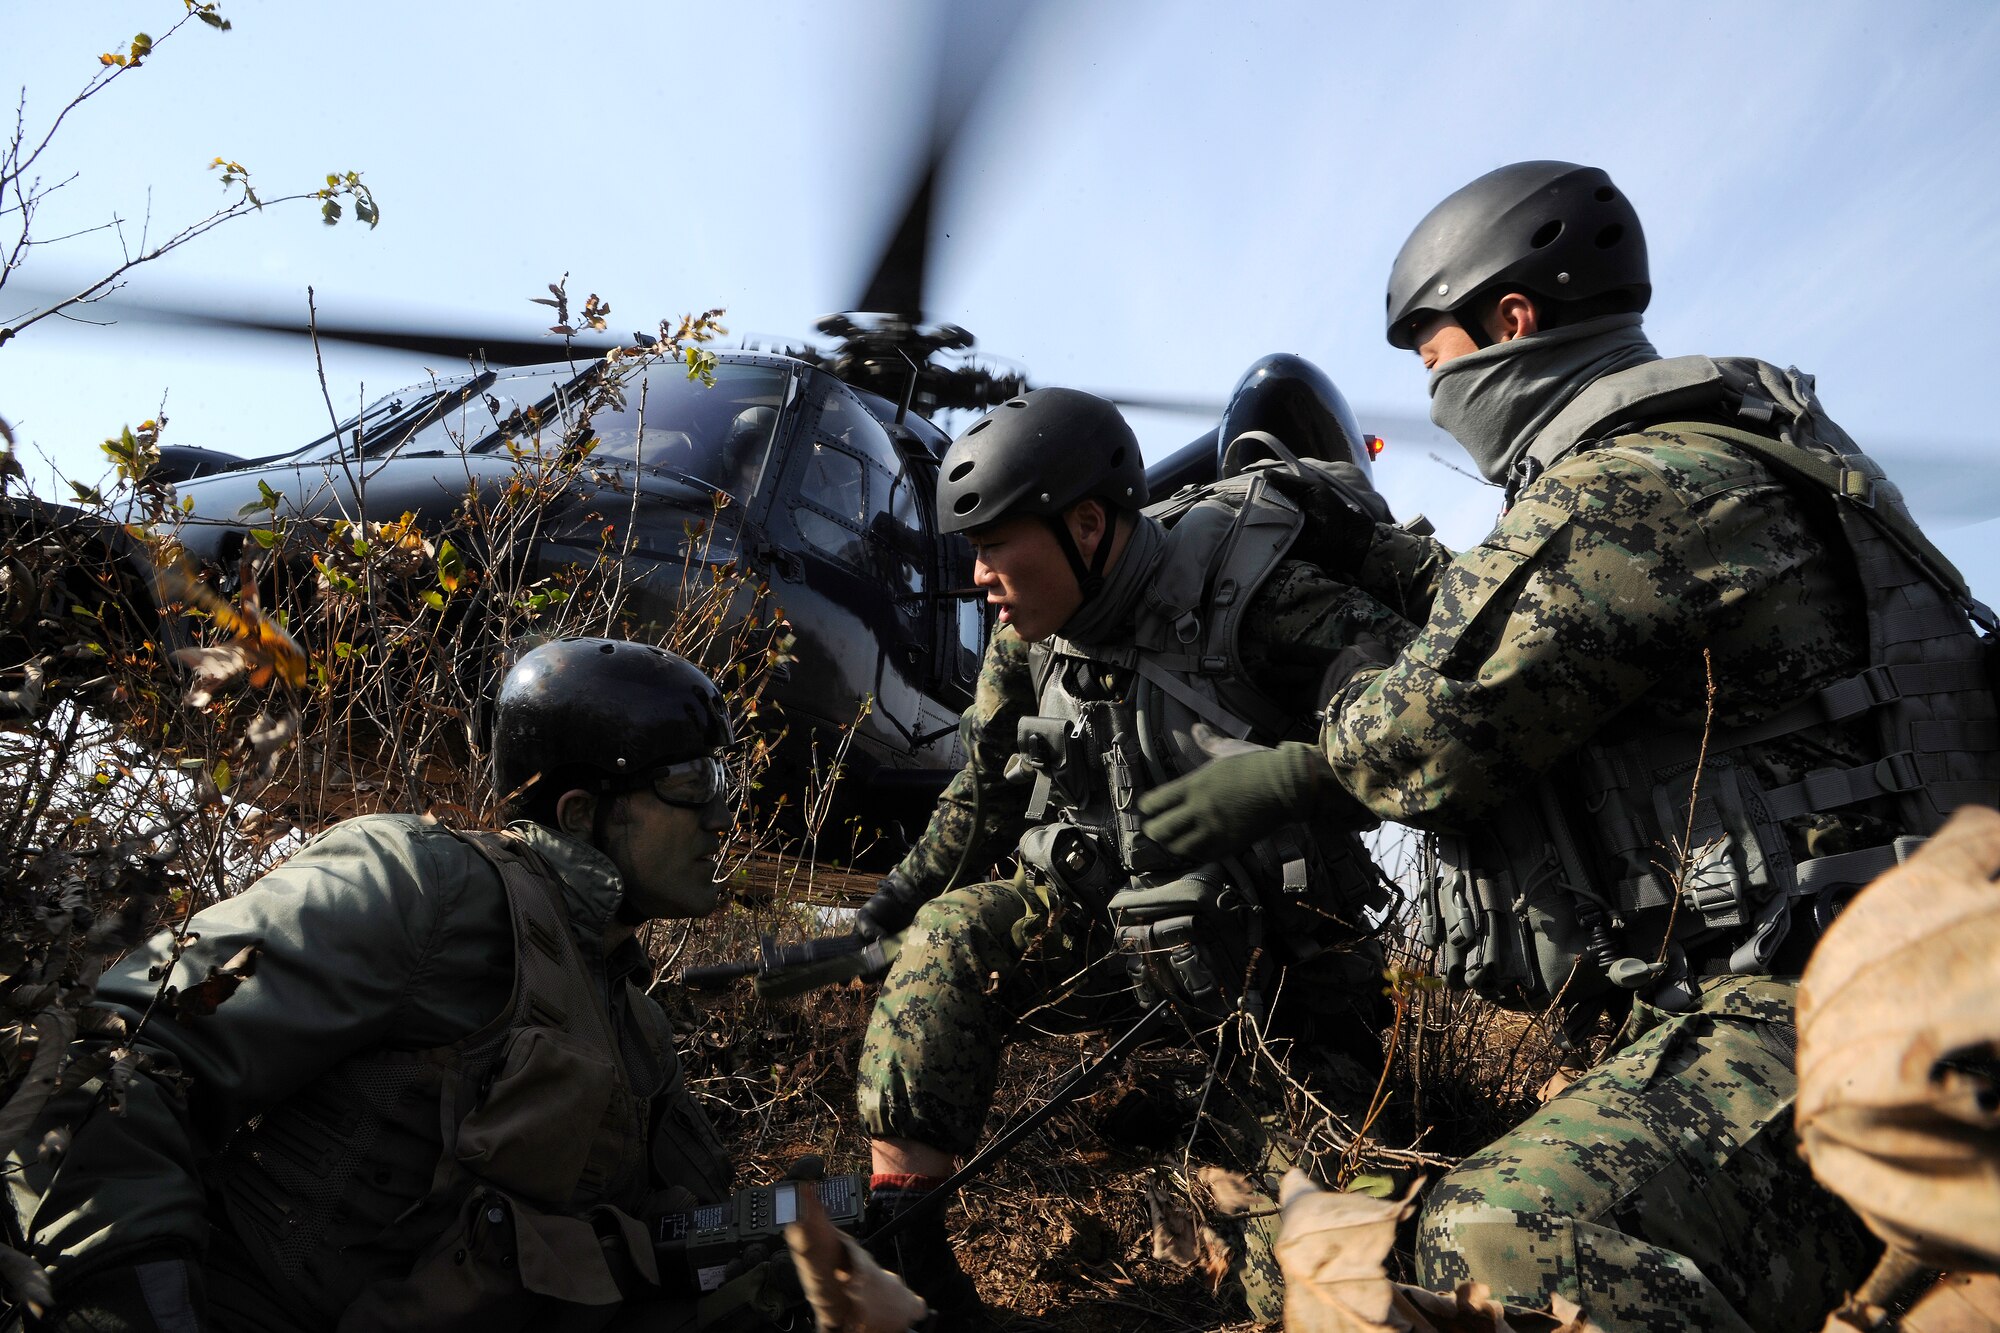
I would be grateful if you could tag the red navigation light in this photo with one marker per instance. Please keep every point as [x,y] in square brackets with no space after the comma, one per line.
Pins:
[1376,444]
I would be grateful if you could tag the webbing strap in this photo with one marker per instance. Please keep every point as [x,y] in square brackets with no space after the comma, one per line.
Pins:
[1857,694]
[1831,788]
[1910,623]
[1853,867]
[1207,709]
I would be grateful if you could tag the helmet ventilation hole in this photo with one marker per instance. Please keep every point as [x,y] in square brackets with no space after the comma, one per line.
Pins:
[1610,236]
[965,504]
[1546,233]
[1605,194]
[1118,456]
[980,425]
[958,473]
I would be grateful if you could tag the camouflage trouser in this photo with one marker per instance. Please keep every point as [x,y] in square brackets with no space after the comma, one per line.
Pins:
[1663,1190]
[982,964]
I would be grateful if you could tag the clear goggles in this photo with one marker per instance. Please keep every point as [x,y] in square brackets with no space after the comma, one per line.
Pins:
[692,782]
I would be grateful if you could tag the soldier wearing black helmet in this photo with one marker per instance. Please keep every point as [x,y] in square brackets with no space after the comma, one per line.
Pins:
[1704,679]
[1132,641]
[442,1098]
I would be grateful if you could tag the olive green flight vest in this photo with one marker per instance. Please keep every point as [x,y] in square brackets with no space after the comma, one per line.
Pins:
[487,1185]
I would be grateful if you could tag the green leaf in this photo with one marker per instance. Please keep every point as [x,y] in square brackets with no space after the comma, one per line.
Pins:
[220,775]
[86,494]
[264,537]
[451,566]
[1372,1184]
[434,600]
[343,649]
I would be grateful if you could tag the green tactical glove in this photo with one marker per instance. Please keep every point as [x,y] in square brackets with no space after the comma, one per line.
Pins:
[1232,801]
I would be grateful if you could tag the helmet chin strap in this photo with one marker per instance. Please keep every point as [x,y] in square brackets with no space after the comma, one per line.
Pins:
[1089,578]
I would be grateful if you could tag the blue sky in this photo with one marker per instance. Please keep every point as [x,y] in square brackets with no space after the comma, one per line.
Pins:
[1149,196]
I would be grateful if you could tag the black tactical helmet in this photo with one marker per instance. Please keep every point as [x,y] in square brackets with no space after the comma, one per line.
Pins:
[1039,454]
[1295,400]
[602,714]
[1553,229]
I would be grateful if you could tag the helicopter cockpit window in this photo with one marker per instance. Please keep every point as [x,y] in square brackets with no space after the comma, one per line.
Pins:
[852,472]
[903,549]
[718,436]
[835,484]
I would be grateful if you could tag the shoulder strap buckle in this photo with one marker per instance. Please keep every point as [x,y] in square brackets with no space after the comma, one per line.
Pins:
[1857,487]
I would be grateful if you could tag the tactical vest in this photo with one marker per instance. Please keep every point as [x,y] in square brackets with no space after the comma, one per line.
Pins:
[490,1184]
[1533,904]
[1198,934]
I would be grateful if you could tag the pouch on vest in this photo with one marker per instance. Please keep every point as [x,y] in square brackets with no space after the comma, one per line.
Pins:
[1498,910]
[525,1136]
[1182,940]
[503,1266]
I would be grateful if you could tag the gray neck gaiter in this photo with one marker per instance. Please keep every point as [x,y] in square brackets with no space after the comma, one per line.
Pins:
[1496,400]
[1107,617]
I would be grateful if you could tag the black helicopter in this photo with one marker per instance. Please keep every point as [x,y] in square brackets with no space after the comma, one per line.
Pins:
[830,487]
[827,451]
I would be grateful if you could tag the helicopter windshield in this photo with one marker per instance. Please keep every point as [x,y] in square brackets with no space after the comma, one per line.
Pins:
[717,436]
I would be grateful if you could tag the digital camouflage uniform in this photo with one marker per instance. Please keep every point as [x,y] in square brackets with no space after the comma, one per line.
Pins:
[1662,1189]
[984,961]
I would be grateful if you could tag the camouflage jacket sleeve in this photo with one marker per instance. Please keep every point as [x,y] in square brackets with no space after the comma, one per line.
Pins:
[1301,623]
[349,932]
[1597,593]
[1004,695]
[1402,570]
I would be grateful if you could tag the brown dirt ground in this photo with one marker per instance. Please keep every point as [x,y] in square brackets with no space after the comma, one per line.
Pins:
[1060,1231]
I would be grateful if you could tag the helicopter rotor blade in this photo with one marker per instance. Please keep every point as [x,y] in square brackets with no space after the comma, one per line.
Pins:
[1210,408]
[972,42]
[495,347]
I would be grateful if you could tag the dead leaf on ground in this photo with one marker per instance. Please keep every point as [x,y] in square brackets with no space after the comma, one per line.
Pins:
[1173,1221]
[1555,1084]
[1234,1193]
[1332,1247]
[1899,1050]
